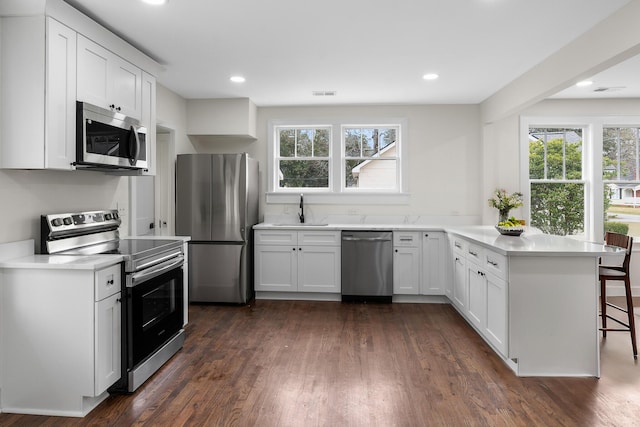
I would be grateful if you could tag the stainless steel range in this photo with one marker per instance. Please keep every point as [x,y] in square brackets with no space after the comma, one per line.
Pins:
[153,309]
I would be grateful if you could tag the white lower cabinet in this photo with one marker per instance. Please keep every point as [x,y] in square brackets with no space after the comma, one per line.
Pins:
[61,331]
[434,259]
[407,261]
[480,290]
[297,261]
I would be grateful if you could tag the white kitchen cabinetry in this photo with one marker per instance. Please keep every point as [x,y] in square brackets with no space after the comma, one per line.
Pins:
[460,282]
[480,290]
[108,81]
[297,261]
[38,69]
[62,335]
[407,254]
[148,118]
[434,262]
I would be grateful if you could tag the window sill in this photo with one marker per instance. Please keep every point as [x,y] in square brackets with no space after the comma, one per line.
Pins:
[341,198]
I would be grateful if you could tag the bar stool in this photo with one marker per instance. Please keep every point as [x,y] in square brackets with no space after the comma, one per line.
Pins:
[618,273]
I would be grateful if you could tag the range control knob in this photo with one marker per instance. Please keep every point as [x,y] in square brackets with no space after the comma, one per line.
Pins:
[56,222]
[107,217]
[115,215]
[67,221]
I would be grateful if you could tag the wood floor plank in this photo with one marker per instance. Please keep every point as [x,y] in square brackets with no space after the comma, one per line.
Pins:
[297,363]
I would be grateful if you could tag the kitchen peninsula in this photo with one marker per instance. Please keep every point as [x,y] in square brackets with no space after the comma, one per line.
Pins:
[533,298]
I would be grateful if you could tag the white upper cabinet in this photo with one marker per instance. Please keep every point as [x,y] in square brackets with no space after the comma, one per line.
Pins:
[49,61]
[37,107]
[108,81]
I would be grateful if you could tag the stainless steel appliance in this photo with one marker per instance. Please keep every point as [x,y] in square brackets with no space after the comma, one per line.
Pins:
[367,266]
[152,297]
[107,139]
[217,205]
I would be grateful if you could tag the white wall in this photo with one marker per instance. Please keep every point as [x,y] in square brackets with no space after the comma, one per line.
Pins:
[444,158]
[27,194]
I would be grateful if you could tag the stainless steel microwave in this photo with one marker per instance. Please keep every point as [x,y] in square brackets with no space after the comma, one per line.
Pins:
[107,139]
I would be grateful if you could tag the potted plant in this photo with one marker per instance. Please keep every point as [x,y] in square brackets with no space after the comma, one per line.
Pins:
[504,202]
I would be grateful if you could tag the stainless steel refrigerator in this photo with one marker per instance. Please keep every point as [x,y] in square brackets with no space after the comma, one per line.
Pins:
[217,205]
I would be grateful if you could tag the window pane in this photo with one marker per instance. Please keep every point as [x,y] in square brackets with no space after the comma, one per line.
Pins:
[610,154]
[321,143]
[536,159]
[352,142]
[378,173]
[555,154]
[304,143]
[287,142]
[304,173]
[628,154]
[558,208]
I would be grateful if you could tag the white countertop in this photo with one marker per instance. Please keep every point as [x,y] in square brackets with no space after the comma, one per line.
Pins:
[530,243]
[66,262]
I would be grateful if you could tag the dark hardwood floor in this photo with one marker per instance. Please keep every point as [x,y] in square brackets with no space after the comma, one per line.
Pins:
[294,363]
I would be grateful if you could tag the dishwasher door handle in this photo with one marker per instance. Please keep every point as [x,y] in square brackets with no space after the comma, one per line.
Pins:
[365,239]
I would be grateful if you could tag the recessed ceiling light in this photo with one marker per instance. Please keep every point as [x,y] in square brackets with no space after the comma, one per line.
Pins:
[237,79]
[430,76]
[155,2]
[584,83]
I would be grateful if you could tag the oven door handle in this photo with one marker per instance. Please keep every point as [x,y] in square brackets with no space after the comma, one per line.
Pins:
[149,273]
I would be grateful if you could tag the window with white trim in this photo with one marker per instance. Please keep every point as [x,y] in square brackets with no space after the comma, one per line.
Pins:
[303,157]
[583,174]
[338,158]
[370,157]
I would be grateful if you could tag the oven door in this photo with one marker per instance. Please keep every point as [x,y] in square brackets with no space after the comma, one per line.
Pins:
[155,310]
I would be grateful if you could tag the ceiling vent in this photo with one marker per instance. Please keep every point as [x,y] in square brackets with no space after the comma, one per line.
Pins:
[609,89]
[324,93]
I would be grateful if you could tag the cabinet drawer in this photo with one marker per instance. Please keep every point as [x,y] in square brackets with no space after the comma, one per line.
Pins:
[320,238]
[496,263]
[276,237]
[406,238]
[475,253]
[459,245]
[107,281]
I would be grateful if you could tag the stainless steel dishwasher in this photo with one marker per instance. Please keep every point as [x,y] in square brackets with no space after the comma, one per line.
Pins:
[367,266]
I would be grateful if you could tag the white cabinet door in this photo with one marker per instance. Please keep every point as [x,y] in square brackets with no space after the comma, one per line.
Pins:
[148,119]
[125,87]
[476,309]
[107,342]
[108,81]
[496,323]
[60,111]
[276,268]
[460,288]
[406,270]
[319,269]
[433,263]
[93,73]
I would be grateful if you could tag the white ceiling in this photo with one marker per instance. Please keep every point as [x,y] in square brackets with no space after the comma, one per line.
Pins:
[368,51]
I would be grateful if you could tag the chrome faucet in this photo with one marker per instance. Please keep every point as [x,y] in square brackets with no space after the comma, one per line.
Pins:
[301,214]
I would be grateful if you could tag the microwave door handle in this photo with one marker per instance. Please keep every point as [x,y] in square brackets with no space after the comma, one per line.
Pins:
[136,153]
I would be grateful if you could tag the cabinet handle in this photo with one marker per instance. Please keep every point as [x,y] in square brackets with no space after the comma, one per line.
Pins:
[110,282]
[294,249]
[406,239]
[118,109]
[473,253]
[396,250]
[458,245]
[426,235]
[480,273]
[112,106]
[119,300]
[300,249]
[495,264]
